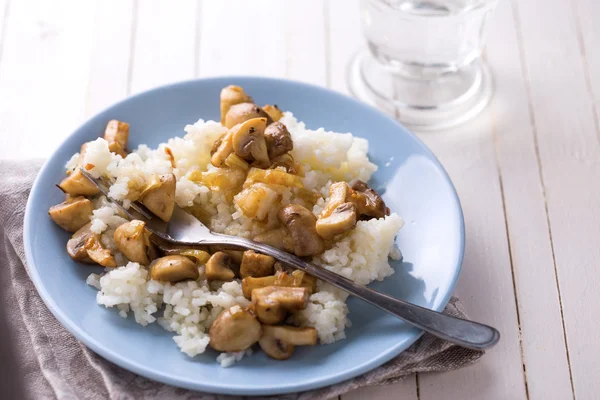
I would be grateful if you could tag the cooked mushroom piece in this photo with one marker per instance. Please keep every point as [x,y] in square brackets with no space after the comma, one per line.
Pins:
[117,132]
[250,283]
[273,177]
[281,278]
[218,267]
[231,95]
[132,239]
[242,112]
[279,341]
[222,149]
[369,203]
[249,141]
[256,265]
[273,111]
[271,303]
[76,245]
[300,224]
[235,329]
[98,253]
[235,161]
[342,219]
[72,214]
[285,161]
[76,184]
[200,256]
[173,268]
[297,279]
[160,198]
[278,238]
[278,138]
[338,192]
[281,267]
[116,148]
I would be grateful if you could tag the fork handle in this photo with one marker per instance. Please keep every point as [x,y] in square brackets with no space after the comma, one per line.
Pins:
[465,333]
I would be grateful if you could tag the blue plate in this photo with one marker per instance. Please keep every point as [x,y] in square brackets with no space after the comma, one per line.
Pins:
[412,181]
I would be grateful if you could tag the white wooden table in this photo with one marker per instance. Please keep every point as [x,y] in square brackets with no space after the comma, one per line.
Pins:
[527,170]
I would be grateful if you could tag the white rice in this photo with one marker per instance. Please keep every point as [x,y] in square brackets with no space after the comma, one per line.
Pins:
[190,307]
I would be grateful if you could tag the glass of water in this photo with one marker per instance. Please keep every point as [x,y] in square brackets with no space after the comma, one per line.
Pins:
[423,61]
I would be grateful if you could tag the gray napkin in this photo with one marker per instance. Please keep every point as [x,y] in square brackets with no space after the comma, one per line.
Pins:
[55,365]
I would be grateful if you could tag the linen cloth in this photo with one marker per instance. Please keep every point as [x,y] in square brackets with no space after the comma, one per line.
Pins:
[57,366]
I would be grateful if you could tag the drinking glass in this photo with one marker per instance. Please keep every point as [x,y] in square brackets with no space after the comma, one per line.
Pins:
[423,63]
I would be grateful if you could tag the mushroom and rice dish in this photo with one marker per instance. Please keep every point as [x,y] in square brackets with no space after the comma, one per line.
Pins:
[258,173]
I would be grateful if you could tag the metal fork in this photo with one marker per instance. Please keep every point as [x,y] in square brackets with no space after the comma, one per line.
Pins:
[184,231]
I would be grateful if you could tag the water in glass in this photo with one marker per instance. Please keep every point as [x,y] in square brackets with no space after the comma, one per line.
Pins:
[425,38]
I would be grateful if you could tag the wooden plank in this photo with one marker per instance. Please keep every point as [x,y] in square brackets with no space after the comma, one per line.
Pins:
[405,390]
[291,44]
[344,37]
[165,43]
[3,17]
[486,283]
[587,12]
[567,140]
[542,335]
[305,41]
[468,154]
[43,74]
[240,50]
[111,54]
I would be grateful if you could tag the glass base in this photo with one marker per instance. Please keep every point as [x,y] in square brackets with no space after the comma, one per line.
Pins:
[418,103]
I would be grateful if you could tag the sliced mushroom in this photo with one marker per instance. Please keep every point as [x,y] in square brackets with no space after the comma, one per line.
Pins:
[132,239]
[285,161]
[256,265]
[98,253]
[297,279]
[369,203]
[236,257]
[271,303]
[278,238]
[72,214]
[249,141]
[278,138]
[160,198]
[281,267]
[342,219]
[281,278]
[279,341]
[338,193]
[231,95]
[116,148]
[250,283]
[272,177]
[76,245]
[76,184]
[200,256]
[242,112]
[222,149]
[300,224]
[117,132]
[218,267]
[235,329]
[174,268]
[235,161]
[273,111]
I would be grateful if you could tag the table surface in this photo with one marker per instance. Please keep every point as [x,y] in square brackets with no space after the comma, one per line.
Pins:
[527,169]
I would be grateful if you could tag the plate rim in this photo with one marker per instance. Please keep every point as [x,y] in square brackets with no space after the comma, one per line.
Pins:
[229,388]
